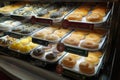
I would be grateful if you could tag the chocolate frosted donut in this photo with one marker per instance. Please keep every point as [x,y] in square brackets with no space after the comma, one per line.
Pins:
[51,56]
[38,52]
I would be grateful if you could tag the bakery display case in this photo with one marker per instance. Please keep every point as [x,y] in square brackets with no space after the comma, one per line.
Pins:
[74,41]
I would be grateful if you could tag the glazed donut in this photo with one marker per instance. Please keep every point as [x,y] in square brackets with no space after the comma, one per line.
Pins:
[92,59]
[86,68]
[69,62]
[89,44]
[96,53]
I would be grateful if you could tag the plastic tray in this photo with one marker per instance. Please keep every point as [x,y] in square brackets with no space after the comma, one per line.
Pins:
[76,67]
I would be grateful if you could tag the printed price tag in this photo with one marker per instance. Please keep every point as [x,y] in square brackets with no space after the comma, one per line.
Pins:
[39,41]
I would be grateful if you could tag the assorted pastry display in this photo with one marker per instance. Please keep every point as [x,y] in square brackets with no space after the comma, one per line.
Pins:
[6,40]
[47,53]
[52,33]
[29,9]
[55,11]
[83,65]
[10,8]
[84,39]
[88,13]
[26,28]
[23,45]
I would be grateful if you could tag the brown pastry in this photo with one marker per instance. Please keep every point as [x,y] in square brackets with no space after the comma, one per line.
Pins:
[74,56]
[92,59]
[94,37]
[51,56]
[75,37]
[86,68]
[96,53]
[12,7]
[89,44]
[69,62]
[79,13]
[61,32]
[97,14]
[83,10]
[46,31]
[75,16]
[52,37]
[72,41]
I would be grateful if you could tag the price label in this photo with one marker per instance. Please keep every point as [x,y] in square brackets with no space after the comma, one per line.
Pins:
[76,51]
[13,35]
[39,41]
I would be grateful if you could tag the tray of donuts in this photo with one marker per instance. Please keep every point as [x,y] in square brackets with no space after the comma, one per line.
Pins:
[7,23]
[90,13]
[26,28]
[86,40]
[22,46]
[6,40]
[51,34]
[46,54]
[55,12]
[29,10]
[87,66]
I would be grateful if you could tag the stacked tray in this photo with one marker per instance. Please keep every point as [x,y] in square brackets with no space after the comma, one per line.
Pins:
[88,66]
[26,28]
[51,34]
[7,23]
[47,54]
